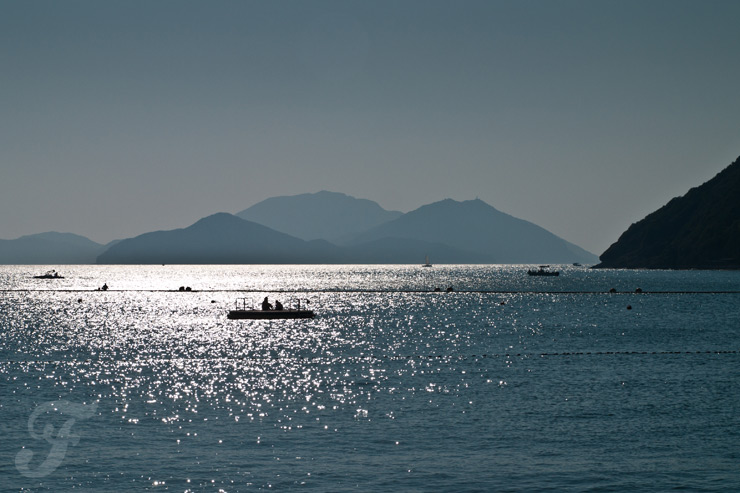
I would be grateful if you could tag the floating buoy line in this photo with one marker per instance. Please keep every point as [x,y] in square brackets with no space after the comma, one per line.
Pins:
[372,291]
[368,359]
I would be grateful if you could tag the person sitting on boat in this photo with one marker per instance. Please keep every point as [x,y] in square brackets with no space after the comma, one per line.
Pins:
[278,305]
[266,305]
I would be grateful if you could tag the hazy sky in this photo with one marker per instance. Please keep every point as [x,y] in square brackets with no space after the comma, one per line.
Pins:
[122,117]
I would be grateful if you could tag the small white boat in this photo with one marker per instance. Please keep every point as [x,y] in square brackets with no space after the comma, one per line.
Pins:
[52,274]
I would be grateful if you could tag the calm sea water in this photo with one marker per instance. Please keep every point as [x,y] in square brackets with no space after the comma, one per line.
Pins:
[509,383]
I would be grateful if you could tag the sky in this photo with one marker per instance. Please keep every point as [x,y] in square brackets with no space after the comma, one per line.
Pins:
[123,117]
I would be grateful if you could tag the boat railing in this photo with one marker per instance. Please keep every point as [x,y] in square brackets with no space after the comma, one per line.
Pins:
[247,304]
[298,303]
[241,304]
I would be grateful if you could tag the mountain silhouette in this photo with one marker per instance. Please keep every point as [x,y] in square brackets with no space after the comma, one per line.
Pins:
[50,248]
[220,239]
[448,231]
[486,234]
[322,215]
[700,230]
[226,239]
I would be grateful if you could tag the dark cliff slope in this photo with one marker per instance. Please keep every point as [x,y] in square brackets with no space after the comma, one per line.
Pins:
[700,230]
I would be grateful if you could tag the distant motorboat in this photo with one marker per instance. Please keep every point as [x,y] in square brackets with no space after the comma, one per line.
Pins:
[242,312]
[576,264]
[426,262]
[52,274]
[542,271]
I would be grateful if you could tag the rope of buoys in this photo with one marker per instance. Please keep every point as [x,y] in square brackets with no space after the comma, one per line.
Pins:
[459,357]
[381,291]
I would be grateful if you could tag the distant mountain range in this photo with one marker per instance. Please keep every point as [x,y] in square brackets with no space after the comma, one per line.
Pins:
[50,248]
[700,230]
[448,231]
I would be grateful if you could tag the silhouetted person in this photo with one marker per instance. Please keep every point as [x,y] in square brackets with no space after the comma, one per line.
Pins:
[266,304]
[278,305]
[105,287]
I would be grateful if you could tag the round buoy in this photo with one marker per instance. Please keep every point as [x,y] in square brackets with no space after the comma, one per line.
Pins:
[629,307]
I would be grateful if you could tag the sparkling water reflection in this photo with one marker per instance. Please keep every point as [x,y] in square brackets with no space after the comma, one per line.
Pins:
[509,383]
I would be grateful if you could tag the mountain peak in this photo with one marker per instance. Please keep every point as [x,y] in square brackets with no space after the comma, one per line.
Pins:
[219,218]
[59,237]
[49,248]
[219,238]
[478,228]
[321,215]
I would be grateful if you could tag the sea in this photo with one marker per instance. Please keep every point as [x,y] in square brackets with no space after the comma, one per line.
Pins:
[594,380]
